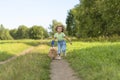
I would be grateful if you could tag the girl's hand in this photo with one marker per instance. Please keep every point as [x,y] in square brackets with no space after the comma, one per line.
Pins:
[52,43]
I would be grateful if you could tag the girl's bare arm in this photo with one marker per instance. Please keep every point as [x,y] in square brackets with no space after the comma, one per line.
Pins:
[68,39]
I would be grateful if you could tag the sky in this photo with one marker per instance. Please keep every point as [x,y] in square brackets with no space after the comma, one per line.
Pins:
[34,12]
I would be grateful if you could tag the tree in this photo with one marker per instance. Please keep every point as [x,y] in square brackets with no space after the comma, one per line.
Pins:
[22,32]
[45,33]
[94,18]
[71,23]
[4,33]
[37,32]
[13,33]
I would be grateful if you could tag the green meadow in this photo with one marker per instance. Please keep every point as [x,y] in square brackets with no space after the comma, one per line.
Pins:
[10,48]
[90,60]
[95,60]
[32,66]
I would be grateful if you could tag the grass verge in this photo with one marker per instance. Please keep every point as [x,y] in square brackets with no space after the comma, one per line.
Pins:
[32,66]
[95,61]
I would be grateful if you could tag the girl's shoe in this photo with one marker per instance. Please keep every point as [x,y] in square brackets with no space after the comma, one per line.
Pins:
[58,57]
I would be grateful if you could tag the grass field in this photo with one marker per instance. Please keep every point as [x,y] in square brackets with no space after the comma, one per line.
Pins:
[90,60]
[32,66]
[95,61]
[9,48]
[12,47]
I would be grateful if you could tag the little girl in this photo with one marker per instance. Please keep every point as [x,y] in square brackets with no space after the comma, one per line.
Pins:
[60,39]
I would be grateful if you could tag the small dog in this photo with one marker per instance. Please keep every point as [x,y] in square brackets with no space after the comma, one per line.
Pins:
[53,53]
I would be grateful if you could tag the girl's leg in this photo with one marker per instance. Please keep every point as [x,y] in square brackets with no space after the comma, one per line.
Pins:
[64,48]
[59,48]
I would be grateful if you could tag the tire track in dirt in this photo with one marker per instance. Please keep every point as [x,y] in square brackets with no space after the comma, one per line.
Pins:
[21,53]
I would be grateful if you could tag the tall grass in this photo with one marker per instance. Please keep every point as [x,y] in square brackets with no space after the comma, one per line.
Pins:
[95,61]
[9,48]
[90,60]
[32,66]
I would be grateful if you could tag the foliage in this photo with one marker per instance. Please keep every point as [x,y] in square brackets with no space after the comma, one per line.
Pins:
[22,32]
[13,33]
[4,33]
[94,18]
[36,32]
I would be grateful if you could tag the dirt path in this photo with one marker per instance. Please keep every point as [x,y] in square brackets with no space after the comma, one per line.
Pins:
[22,53]
[60,70]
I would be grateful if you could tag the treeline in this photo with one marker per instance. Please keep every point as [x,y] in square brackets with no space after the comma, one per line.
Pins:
[94,18]
[23,32]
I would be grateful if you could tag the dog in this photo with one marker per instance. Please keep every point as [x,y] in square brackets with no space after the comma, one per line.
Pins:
[53,53]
